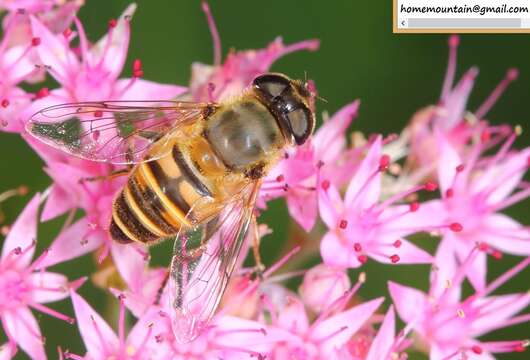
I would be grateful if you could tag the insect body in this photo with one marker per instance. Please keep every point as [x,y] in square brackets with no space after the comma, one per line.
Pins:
[196,172]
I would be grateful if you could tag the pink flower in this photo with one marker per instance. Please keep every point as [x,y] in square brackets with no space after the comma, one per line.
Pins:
[102,342]
[325,336]
[474,192]
[324,156]
[16,66]
[450,326]
[24,286]
[221,81]
[94,75]
[360,226]
[322,286]
[449,115]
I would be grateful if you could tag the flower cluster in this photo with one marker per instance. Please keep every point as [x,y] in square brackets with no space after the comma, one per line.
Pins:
[447,180]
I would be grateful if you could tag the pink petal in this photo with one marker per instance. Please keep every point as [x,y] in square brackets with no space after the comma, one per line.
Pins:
[57,203]
[148,90]
[131,264]
[23,234]
[293,317]
[139,300]
[330,205]
[329,141]
[336,252]
[505,234]
[447,163]
[409,302]
[19,66]
[23,327]
[455,103]
[55,52]
[116,53]
[497,311]
[384,340]
[350,320]
[233,332]
[363,190]
[71,243]
[98,336]
[7,351]
[476,270]
[446,268]
[495,180]
[302,207]
[408,252]
[48,286]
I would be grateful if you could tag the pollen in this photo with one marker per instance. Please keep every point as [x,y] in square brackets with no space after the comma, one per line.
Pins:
[460,313]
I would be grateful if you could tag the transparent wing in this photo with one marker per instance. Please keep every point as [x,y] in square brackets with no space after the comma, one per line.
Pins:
[203,261]
[118,132]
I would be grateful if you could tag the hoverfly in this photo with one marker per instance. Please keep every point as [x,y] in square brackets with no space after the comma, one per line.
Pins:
[195,172]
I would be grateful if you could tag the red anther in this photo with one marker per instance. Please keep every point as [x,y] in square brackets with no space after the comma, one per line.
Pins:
[280,178]
[121,297]
[320,163]
[343,223]
[394,259]
[384,162]
[137,64]
[497,255]
[527,159]
[485,136]
[98,113]
[138,73]
[483,246]
[357,247]
[512,74]
[476,349]
[414,206]
[17,250]
[67,32]
[397,243]
[113,23]
[519,348]
[325,184]
[456,227]
[35,41]
[430,186]
[5,103]
[454,40]
[43,92]
[449,193]
[460,168]
[362,259]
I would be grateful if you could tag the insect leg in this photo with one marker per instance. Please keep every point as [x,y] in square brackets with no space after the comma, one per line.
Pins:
[161,288]
[255,248]
[110,176]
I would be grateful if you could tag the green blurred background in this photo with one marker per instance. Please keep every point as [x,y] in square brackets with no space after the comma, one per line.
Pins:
[393,75]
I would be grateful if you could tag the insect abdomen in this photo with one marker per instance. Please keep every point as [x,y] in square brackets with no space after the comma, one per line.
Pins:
[158,198]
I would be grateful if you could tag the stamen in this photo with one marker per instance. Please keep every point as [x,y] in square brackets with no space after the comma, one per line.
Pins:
[506,276]
[46,310]
[215,34]
[451,66]
[511,75]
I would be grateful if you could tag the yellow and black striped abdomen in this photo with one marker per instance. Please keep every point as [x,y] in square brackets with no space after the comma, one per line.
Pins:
[158,199]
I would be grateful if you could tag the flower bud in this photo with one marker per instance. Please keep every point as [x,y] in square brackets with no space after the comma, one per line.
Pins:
[323,285]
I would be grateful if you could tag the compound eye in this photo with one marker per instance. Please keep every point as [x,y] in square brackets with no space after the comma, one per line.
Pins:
[271,85]
[301,122]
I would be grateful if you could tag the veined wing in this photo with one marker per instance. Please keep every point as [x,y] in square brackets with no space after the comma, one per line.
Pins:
[203,261]
[117,132]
